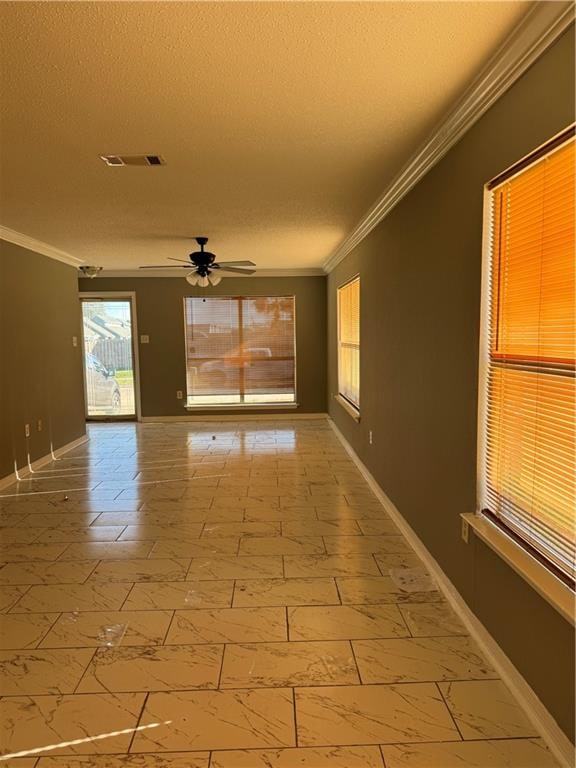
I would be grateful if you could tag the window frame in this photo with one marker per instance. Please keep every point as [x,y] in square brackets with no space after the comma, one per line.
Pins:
[352,408]
[287,405]
[532,564]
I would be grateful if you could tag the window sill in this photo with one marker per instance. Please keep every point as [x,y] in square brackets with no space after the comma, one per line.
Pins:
[244,407]
[557,594]
[350,410]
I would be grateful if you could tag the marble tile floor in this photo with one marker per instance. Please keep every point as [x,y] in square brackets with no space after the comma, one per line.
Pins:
[231,595]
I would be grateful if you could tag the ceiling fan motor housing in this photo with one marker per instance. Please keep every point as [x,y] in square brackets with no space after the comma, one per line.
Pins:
[202,260]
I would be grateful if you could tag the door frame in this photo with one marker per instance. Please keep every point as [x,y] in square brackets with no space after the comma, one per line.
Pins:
[129,296]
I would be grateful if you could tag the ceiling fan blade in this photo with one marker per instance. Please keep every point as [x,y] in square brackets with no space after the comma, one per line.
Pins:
[184,261]
[164,266]
[237,263]
[239,270]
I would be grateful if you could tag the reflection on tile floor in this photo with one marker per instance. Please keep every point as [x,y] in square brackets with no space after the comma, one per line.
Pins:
[212,595]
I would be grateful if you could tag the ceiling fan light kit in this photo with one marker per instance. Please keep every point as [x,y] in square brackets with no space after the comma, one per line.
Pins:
[205,263]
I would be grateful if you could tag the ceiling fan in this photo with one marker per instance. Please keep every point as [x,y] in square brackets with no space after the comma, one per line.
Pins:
[204,264]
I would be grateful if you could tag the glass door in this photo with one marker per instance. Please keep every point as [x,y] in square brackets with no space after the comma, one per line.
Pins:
[108,358]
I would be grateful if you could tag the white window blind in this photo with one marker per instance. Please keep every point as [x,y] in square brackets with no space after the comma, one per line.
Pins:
[349,342]
[527,377]
[240,350]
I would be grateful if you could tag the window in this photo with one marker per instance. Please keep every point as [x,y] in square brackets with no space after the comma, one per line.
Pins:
[240,350]
[349,342]
[527,416]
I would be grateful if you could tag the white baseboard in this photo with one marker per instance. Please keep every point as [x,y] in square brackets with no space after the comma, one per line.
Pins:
[535,710]
[26,472]
[212,417]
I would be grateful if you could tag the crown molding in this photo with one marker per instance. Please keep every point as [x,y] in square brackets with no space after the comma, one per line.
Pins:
[31,244]
[147,273]
[537,31]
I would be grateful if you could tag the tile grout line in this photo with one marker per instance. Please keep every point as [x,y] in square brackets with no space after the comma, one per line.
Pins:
[338,590]
[89,576]
[168,628]
[299,686]
[83,675]
[458,731]
[39,646]
[219,681]
[358,672]
[405,622]
[137,724]
[132,585]
[382,757]
[377,564]
[296,740]
[9,609]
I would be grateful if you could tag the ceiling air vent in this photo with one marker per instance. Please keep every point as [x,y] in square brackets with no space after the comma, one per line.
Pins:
[132,159]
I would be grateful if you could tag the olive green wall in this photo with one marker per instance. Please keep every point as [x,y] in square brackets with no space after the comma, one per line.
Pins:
[160,310]
[40,369]
[420,309]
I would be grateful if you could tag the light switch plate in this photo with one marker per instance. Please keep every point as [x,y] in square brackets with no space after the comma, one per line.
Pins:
[144,339]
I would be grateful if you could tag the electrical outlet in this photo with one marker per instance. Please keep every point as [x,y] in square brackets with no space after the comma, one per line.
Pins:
[39,425]
[465,531]
[179,394]
[74,341]
[27,430]
[370,437]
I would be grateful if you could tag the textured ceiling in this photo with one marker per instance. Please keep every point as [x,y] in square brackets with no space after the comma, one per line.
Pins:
[280,123]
